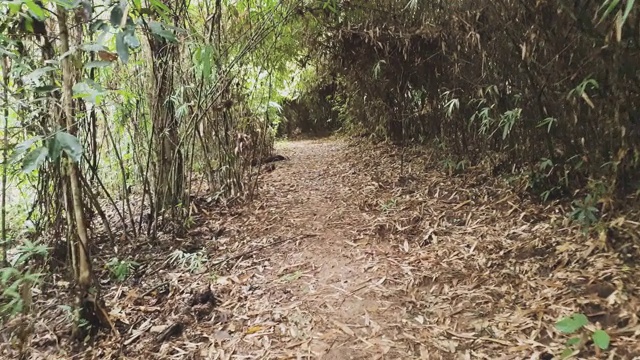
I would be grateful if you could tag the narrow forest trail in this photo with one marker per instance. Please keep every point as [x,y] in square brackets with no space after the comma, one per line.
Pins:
[325,282]
[370,265]
[339,257]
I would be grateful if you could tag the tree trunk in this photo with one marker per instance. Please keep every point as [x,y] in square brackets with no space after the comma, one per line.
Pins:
[89,307]
[169,170]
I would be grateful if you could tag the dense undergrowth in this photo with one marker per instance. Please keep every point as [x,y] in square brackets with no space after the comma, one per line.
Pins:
[118,117]
[544,94]
[548,89]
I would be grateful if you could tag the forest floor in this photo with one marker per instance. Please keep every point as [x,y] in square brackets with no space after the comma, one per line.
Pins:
[340,257]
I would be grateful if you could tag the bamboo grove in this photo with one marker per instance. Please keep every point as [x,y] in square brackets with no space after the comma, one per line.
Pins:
[124,110]
[119,115]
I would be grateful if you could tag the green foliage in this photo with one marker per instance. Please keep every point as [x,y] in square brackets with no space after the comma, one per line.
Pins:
[609,6]
[571,324]
[389,204]
[452,166]
[59,142]
[575,324]
[485,93]
[14,283]
[72,316]
[18,279]
[191,262]
[121,269]
[601,339]
[543,182]
[585,212]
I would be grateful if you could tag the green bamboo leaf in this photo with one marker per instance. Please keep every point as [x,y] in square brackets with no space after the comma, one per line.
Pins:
[160,8]
[122,48]
[572,323]
[159,30]
[131,40]
[7,273]
[601,339]
[34,159]
[23,146]
[573,341]
[116,16]
[612,5]
[627,10]
[35,9]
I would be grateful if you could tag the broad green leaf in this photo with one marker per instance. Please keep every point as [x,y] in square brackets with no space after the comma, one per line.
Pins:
[159,30]
[116,16]
[34,159]
[93,47]
[97,25]
[573,341]
[14,7]
[70,145]
[36,74]
[97,64]
[35,9]
[572,323]
[601,339]
[131,40]
[22,147]
[28,24]
[88,90]
[121,47]
[54,149]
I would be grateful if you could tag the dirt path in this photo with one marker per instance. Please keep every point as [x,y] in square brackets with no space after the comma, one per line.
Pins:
[341,258]
[323,286]
[423,266]
[371,265]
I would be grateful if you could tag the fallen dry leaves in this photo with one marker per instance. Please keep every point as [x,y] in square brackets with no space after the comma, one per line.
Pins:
[344,257]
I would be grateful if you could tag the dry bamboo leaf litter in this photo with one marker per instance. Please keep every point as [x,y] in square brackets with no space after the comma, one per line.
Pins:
[342,257]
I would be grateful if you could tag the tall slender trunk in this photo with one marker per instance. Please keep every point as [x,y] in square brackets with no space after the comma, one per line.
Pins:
[83,265]
[5,105]
[90,306]
[169,169]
